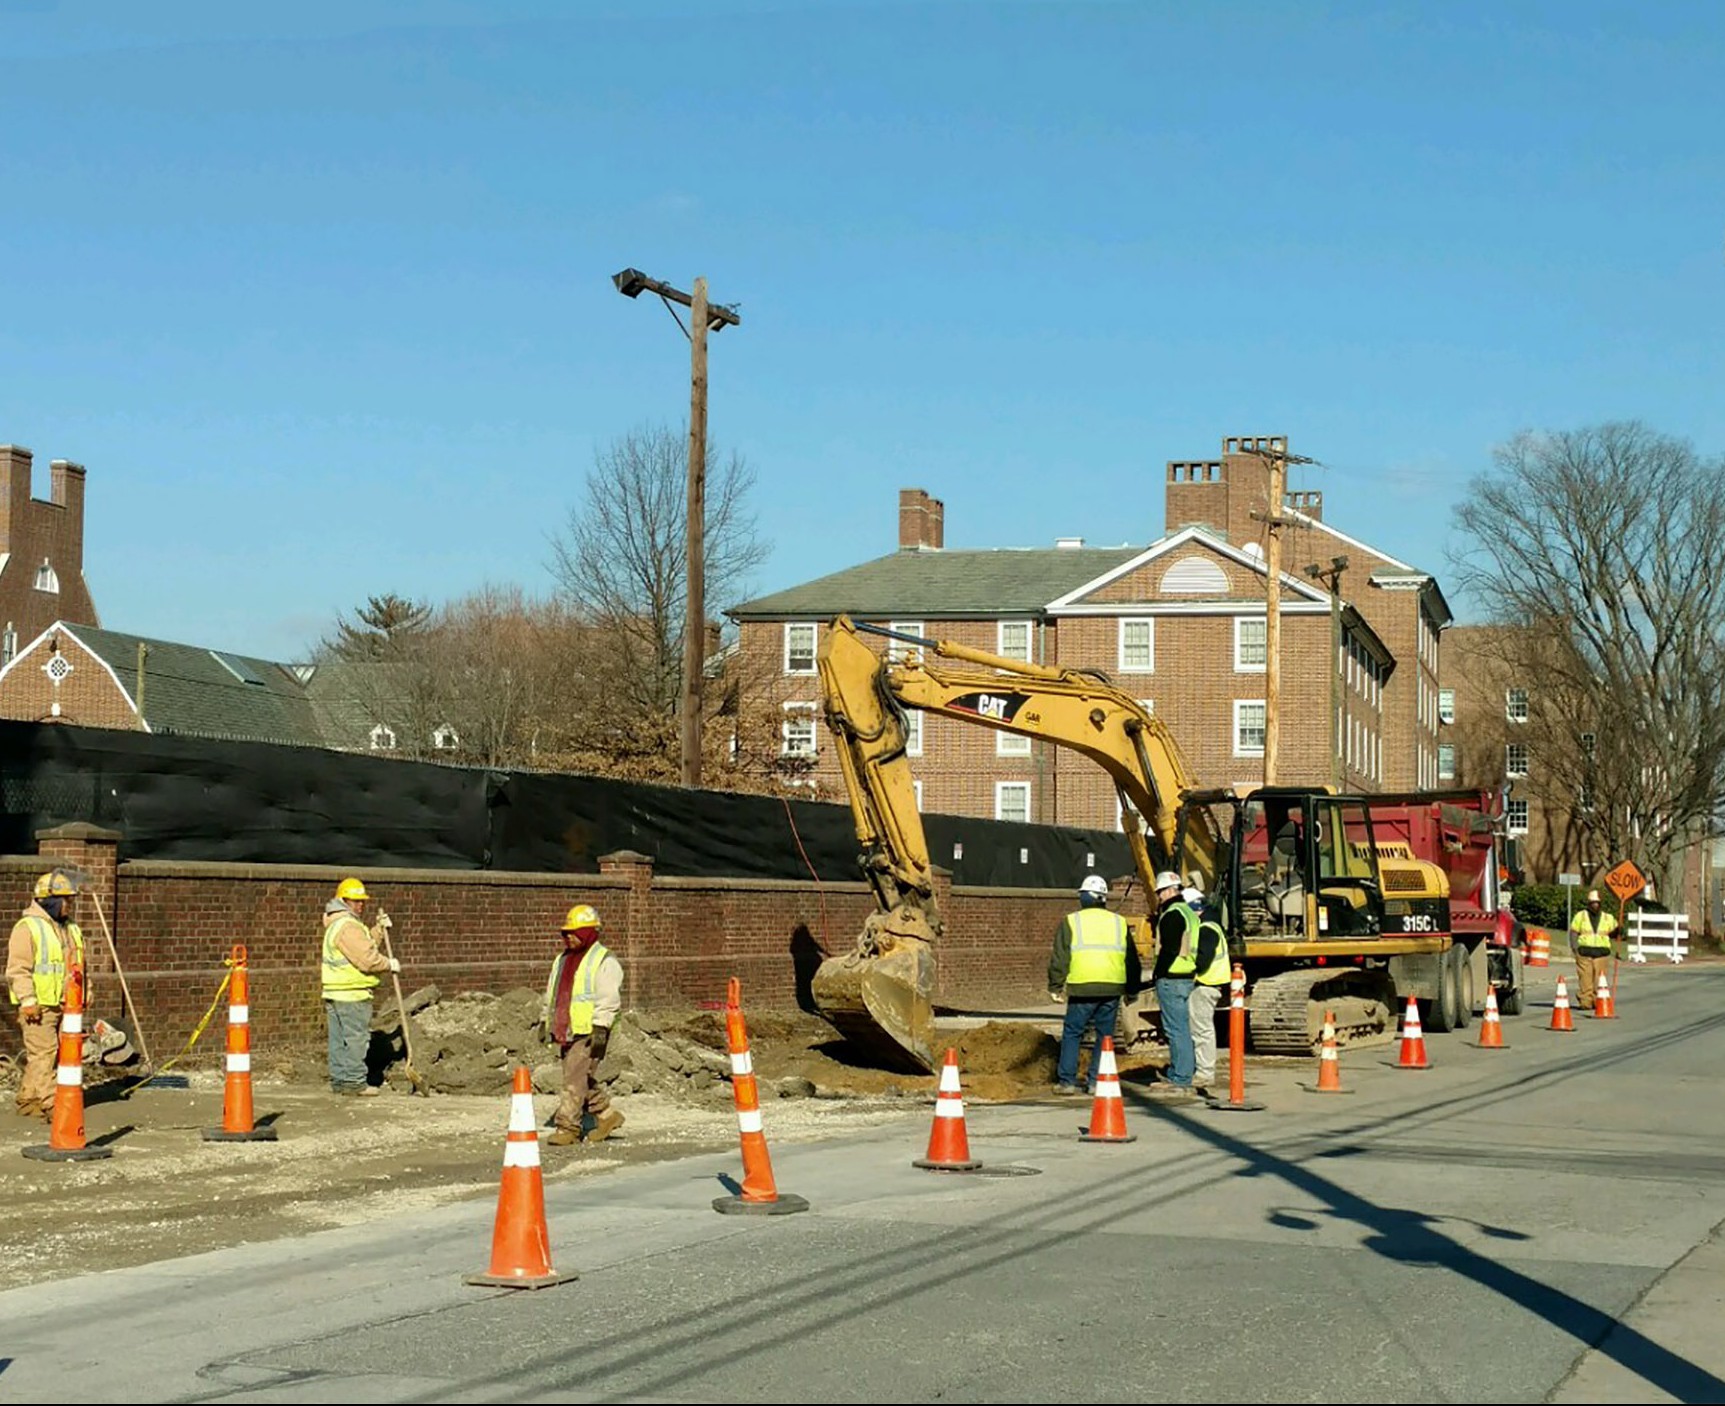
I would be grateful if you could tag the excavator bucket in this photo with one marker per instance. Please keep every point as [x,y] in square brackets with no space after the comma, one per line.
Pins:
[880,997]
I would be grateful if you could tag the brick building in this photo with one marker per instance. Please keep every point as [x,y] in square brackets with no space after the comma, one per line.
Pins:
[85,676]
[1178,623]
[41,550]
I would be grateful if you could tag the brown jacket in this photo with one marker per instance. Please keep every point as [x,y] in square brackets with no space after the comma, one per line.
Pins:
[355,941]
[21,956]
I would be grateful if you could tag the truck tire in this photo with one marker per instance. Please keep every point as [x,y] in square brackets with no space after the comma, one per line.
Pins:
[1509,1001]
[1443,1012]
[1464,986]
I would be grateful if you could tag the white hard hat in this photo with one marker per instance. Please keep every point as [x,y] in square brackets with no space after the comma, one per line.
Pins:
[1168,880]
[1192,895]
[1094,883]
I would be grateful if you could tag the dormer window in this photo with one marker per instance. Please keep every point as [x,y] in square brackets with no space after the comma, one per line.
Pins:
[46,580]
[382,738]
[445,738]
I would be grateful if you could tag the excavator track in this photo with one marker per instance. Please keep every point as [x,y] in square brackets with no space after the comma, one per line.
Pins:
[1287,1009]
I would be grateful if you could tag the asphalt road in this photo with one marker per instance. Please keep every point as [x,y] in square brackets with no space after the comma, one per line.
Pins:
[1539,1223]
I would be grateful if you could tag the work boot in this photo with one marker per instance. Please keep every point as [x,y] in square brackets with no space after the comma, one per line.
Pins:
[564,1137]
[604,1125]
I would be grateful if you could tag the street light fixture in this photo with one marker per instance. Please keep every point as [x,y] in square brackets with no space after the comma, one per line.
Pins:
[705,317]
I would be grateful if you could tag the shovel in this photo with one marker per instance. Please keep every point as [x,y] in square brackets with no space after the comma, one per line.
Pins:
[414,1077]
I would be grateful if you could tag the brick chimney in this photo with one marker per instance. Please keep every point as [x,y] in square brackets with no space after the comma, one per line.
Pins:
[66,488]
[921,521]
[14,493]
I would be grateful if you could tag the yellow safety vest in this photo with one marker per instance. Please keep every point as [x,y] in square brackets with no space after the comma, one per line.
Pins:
[1221,970]
[1098,953]
[1186,960]
[1590,938]
[342,981]
[48,959]
[582,991]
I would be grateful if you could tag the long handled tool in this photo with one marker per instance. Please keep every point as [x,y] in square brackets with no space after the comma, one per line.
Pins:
[414,1077]
[125,989]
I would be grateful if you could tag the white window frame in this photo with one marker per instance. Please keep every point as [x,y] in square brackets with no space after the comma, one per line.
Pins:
[1149,624]
[1446,770]
[900,652]
[383,738]
[1515,817]
[444,737]
[1001,788]
[1446,705]
[1263,726]
[799,710]
[1011,744]
[1515,704]
[47,579]
[913,732]
[1000,646]
[792,627]
[8,644]
[1148,705]
[1514,752]
[1240,624]
[916,790]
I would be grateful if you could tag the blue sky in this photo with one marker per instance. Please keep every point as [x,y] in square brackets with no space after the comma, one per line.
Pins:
[321,294]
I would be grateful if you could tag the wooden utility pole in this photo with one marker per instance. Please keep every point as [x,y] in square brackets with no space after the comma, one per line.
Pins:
[704,317]
[1277,454]
[695,621]
[1332,579]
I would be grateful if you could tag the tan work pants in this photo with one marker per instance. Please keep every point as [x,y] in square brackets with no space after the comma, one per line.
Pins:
[41,1061]
[581,1094]
[1589,967]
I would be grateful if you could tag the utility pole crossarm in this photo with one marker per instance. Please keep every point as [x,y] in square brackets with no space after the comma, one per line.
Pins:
[631,283]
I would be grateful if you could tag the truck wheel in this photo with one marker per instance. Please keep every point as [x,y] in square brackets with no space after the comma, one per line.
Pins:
[1442,1013]
[1509,1001]
[1464,987]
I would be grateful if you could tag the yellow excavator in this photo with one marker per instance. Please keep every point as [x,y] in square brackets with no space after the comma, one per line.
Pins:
[1318,916]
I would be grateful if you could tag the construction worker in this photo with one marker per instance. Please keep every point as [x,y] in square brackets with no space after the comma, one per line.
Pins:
[583,995]
[1093,965]
[352,965]
[1212,971]
[1176,961]
[45,946]
[1590,933]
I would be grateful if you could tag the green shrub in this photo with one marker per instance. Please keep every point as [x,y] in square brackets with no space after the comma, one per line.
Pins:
[1544,905]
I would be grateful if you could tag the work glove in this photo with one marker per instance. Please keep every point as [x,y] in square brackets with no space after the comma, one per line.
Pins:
[1057,993]
[32,1015]
[395,964]
[601,1038]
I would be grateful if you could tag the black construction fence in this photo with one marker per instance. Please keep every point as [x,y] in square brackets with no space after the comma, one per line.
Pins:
[189,798]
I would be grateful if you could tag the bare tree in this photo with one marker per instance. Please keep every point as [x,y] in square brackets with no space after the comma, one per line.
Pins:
[1602,549]
[620,561]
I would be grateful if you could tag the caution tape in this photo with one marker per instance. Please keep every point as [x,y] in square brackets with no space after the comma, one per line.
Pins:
[197,1033]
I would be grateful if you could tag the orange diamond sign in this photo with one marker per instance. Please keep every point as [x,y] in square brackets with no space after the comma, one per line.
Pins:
[1625,881]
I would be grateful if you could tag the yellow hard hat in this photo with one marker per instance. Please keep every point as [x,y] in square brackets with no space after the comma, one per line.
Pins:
[350,890]
[582,915]
[55,884]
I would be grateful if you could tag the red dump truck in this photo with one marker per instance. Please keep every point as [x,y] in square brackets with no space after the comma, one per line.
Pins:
[1459,832]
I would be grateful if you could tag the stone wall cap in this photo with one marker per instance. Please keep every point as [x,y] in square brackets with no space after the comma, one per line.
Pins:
[81,830]
[626,856]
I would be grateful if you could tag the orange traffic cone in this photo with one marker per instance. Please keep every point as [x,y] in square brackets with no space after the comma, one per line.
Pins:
[237,1124]
[66,1128]
[1490,1026]
[759,1195]
[520,1239]
[1108,1112]
[1329,1068]
[1604,1003]
[1561,1019]
[1413,1039]
[948,1145]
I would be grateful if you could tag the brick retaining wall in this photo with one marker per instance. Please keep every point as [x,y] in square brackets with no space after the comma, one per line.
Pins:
[679,939]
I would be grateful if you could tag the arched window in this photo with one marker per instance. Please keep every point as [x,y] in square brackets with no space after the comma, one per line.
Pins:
[1195,576]
[46,580]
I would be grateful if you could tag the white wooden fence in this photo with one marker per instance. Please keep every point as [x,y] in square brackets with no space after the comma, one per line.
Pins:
[1658,935]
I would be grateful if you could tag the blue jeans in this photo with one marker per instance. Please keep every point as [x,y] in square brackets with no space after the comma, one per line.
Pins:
[1081,1014]
[349,1038]
[1172,995]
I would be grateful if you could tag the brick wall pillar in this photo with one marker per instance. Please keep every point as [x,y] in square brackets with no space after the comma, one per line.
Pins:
[91,854]
[940,882]
[633,936]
